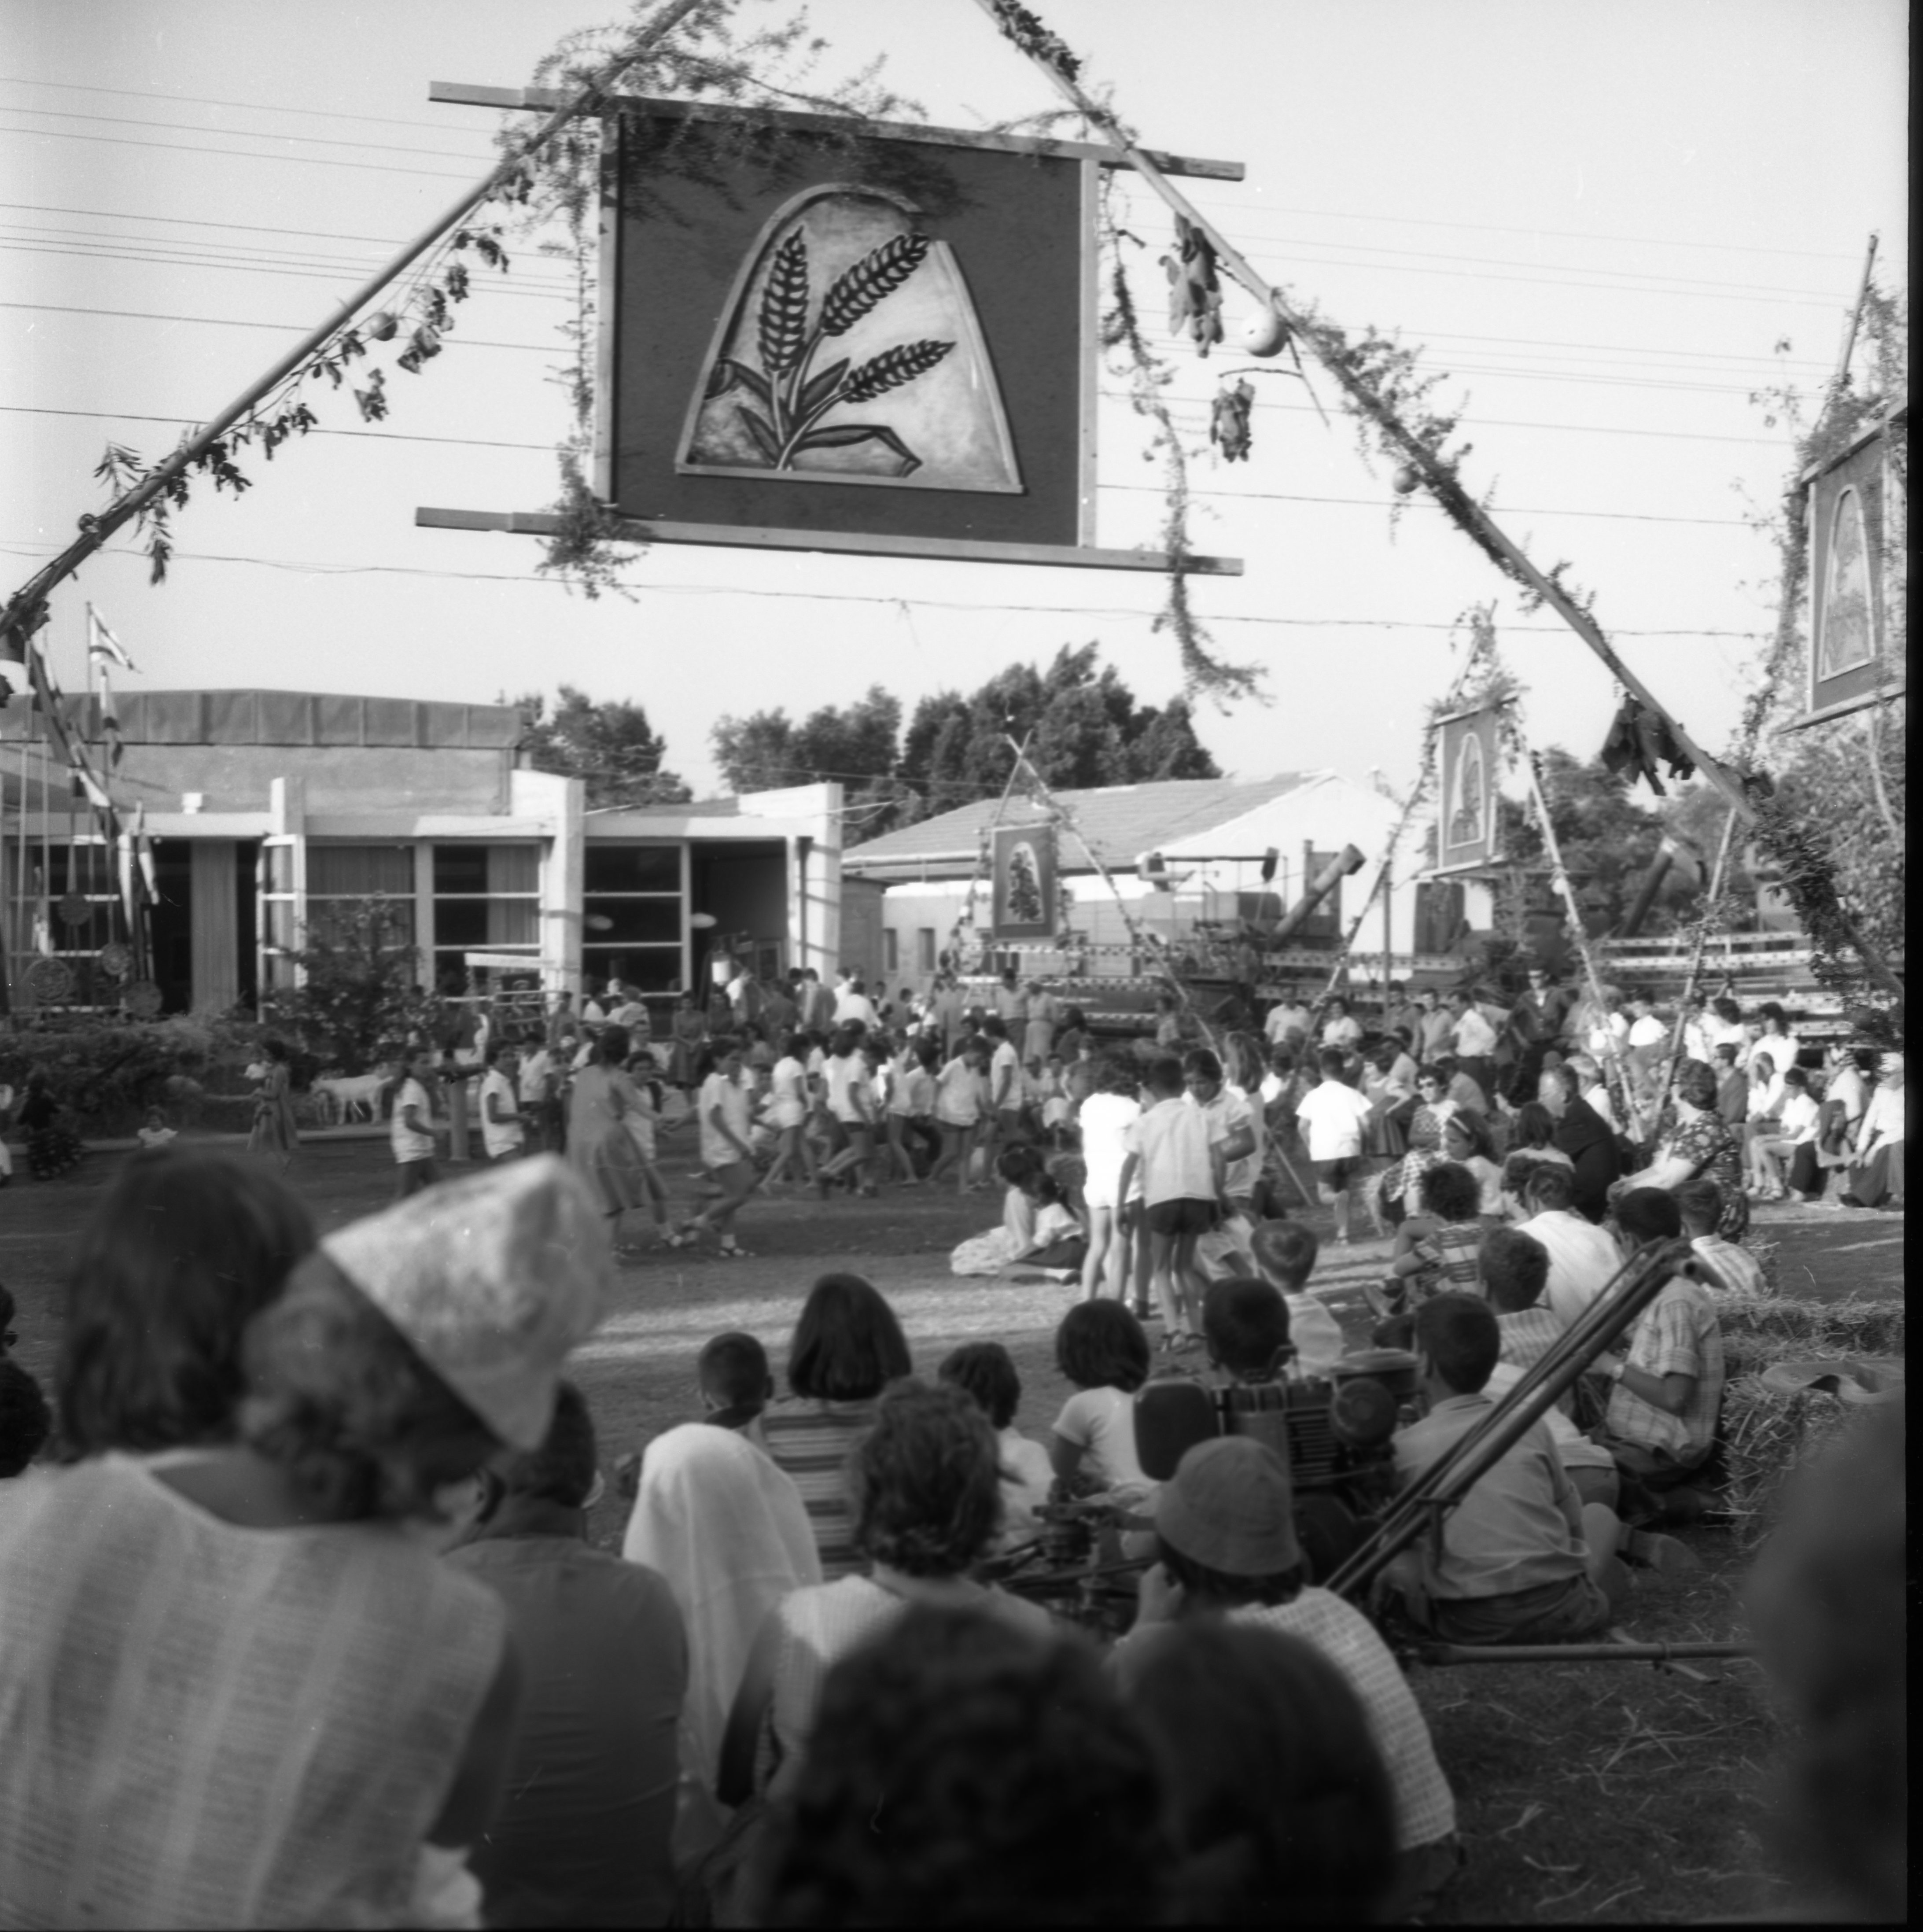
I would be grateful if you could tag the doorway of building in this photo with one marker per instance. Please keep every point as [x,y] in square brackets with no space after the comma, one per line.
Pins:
[170,925]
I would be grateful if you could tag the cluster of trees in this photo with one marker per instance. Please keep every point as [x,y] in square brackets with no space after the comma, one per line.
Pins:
[1083,725]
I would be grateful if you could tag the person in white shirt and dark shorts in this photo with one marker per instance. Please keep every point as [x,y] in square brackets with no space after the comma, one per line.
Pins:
[1332,1119]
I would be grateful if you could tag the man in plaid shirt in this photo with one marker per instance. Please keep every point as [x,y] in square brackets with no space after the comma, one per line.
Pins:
[1666,1389]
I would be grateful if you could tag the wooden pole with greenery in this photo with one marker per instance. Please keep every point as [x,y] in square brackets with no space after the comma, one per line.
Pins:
[26,609]
[1046,53]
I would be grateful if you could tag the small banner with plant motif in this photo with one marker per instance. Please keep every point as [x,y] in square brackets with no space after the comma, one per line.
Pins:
[1851,502]
[1468,828]
[1024,857]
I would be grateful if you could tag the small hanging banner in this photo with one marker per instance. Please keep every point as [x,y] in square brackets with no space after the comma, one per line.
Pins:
[1469,830]
[1856,507]
[1024,882]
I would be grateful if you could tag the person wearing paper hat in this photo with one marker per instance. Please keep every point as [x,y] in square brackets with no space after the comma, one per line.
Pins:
[287,1699]
[492,1280]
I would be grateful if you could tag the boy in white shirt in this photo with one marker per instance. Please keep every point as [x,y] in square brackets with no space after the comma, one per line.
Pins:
[411,1133]
[503,1128]
[1181,1170]
[1330,1119]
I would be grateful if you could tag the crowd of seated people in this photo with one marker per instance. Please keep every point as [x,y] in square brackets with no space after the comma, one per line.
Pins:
[301,1623]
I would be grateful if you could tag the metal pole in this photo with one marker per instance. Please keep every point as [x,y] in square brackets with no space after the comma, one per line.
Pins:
[1448,1480]
[1702,941]
[1574,1653]
[94,532]
[1611,1051]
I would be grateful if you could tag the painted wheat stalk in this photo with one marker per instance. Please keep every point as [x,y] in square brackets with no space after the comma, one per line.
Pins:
[793,394]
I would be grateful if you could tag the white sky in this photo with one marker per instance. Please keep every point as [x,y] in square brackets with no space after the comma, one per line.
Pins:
[1601,217]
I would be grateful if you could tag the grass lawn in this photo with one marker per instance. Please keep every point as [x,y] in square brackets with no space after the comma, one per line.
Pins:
[1594,1793]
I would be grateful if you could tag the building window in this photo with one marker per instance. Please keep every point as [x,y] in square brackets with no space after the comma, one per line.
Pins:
[339,875]
[486,899]
[84,869]
[891,951]
[632,911]
[924,949]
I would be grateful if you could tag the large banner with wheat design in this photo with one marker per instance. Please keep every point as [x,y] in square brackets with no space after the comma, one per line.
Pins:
[817,329]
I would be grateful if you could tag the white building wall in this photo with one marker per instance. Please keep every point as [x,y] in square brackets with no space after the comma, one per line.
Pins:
[1209,870]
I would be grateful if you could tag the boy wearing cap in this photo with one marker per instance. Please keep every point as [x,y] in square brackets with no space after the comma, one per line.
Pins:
[1226,1545]
[1519,1559]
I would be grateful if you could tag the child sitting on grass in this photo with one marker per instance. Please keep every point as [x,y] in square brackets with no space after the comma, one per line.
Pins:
[987,1371]
[1736,1274]
[1100,1348]
[1438,1250]
[1286,1252]
[1515,1271]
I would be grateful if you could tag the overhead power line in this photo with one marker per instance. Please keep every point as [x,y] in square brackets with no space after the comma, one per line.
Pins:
[1078,610]
[247,134]
[1246,206]
[1230,496]
[229,154]
[249,106]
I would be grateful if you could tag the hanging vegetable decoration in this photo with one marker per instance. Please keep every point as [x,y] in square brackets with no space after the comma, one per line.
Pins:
[1263,333]
[1638,739]
[1195,291]
[1228,421]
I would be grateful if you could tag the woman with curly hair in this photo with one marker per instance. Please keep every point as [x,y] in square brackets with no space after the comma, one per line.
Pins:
[1013,1786]
[925,1483]
[240,1687]
[1701,1142]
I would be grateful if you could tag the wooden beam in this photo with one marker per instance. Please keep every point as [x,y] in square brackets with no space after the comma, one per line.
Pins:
[951,550]
[534,100]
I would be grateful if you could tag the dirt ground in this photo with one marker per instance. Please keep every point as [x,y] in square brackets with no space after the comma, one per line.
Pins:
[1586,1793]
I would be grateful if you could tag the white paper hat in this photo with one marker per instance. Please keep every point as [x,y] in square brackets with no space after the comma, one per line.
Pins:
[493,1278]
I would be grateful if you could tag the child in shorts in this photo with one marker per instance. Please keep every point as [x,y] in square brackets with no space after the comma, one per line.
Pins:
[1182,1175]
[1332,1118]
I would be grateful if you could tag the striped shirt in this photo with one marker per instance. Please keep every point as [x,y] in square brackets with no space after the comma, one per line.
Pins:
[810,1441]
[1425,1808]
[1528,1334]
[1738,1272]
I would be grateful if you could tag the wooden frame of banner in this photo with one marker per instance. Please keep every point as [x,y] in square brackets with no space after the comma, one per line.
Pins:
[1009,545]
[544,523]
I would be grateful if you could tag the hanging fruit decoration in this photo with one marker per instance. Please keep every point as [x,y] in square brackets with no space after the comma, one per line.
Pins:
[380,326]
[1263,333]
[1406,479]
[1228,421]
